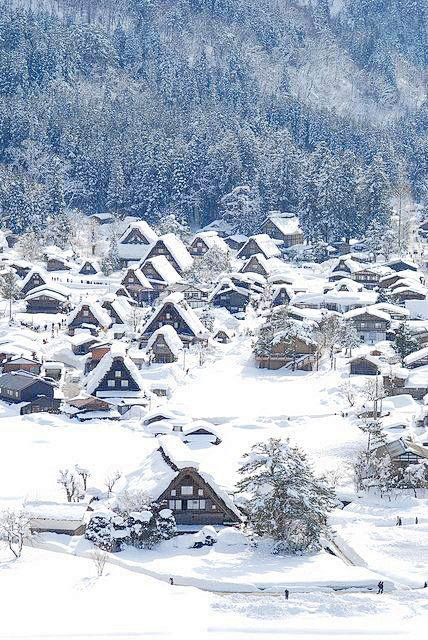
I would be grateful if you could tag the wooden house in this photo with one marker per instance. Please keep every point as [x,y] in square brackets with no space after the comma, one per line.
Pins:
[21,364]
[96,353]
[81,342]
[196,295]
[284,227]
[176,312]
[48,299]
[115,376]
[41,405]
[89,268]
[200,432]
[55,263]
[402,453]
[204,241]
[299,353]
[369,278]
[23,387]
[236,242]
[344,268]
[232,297]
[88,314]
[174,251]
[260,243]
[34,278]
[118,308]
[370,324]
[224,336]
[138,286]
[256,264]
[417,359]
[164,345]
[365,366]
[402,265]
[54,517]
[135,242]
[169,476]
[90,408]
[281,294]
[21,268]
[161,274]
[102,218]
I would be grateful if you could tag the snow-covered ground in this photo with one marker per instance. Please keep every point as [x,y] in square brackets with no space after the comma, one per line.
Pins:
[51,595]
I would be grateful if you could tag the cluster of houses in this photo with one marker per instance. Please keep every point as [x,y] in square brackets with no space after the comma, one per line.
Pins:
[114,346]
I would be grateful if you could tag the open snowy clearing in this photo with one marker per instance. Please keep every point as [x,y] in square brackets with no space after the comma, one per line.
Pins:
[63,598]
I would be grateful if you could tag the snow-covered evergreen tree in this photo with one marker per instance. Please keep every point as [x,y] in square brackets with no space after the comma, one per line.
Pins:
[242,208]
[405,343]
[284,499]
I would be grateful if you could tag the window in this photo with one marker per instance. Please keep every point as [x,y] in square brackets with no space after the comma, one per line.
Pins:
[117,374]
[168,316]
[85,313]
[175,504]
[110,383]
[173,492]
[124,383]
[196,504]
[131,280]
[187,490]
[200,492]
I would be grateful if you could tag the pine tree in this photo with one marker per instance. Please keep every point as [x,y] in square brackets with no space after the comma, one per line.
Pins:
[285,500]
[242,208]
[10,288]
[405,343]
[116,192]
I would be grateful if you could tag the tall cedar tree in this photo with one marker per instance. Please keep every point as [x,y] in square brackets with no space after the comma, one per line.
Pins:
[284,499]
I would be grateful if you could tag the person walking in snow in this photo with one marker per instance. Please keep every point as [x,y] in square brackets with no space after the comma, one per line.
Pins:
[286,594]
[171,581]
[380,586]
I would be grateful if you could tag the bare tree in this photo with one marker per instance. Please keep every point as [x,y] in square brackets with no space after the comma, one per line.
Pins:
[348,391]
[68,480]
[111,480]
[15,529]
[84,475]
[99,558]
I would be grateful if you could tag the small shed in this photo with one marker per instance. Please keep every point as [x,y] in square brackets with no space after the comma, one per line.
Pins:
[68,518]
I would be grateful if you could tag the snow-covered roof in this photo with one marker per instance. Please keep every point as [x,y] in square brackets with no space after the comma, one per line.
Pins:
[120,305]
[97,311]
[265,243]
[139,276]
[420,354]
[37,270]
[211,239]
[103,367]
[51,291]
[286,225]
[391,309]
[354,313]
[145,230]
[178,251]
[45,510]
[170,336]
[94,263]
[164,268]
[187,314]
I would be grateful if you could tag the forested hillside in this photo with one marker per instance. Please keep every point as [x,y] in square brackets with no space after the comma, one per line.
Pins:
[152,106]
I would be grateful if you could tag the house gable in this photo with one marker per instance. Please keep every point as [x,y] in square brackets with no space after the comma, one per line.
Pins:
[193,500]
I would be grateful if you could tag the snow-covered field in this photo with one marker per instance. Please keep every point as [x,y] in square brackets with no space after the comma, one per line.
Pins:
[50,595]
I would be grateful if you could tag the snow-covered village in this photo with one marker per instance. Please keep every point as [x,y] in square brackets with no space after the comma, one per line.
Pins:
[213,319]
